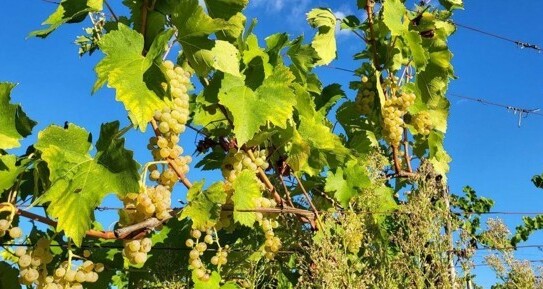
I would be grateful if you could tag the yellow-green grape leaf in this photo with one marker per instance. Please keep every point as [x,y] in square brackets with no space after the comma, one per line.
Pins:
[246,191]
[204,206]
[452,4]
[393,14]
[79,181]
[437,154]
[419,54]
[252,52]
[14,124]
[123,68]
[8,172]
[347,182]
[324,41]
[194,27]
[222,56]
[68,11]
[228,10]
[271,102]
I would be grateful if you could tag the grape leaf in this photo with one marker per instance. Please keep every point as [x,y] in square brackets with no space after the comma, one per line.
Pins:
[68,11]
[437,154]
[419,54]
[393,14]
[194,26]
[330,95]
[324,41]
[78,181]
[347,182]
[9,276]
[452,4]
[9,176]
[272,102]
[123,68]
[204,206]
[228,10]
[246,190]
[14,124]
[274,44]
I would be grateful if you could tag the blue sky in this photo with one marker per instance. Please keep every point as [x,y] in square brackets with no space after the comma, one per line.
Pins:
[490,153]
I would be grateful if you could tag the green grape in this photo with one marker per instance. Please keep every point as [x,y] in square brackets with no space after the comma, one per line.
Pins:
[4,225]
[80,276]
[194,254]
[140,258]
[20,251]
[422,123]
[201,247]
[60,272]
[99,267]
[189,243]
[196,234]
[24,261]
[208,239]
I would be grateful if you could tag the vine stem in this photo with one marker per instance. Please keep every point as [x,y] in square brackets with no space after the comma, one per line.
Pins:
[406,151]
[309,201]
[369,11]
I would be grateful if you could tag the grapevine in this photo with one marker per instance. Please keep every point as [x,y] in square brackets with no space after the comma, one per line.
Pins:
[299,190]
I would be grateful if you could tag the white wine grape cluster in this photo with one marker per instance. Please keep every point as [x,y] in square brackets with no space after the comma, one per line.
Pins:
[267,223]
[393,111]
[365,98]
[6,227]
[136,250]
[151,202]
[171,121]
[33,269]
[198,248]
[236,161]
[422,122]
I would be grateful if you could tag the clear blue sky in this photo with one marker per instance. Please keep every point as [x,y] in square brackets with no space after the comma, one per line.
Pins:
[490,153]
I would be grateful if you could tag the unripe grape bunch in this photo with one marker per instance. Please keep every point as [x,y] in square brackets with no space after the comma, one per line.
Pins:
[199,244]
[267,223]
[422,122]
[136,250]
[33,269]
[393,111]
[236,161]
[365,97]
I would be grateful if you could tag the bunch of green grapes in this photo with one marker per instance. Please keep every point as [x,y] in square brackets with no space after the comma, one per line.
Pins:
[267,224]
[68,276]
[136,251]
[6,227]
[151,202]
[32,265]
[171,121]
[365,98]
[198,248]
[236,161]
[422,123]
[393,111]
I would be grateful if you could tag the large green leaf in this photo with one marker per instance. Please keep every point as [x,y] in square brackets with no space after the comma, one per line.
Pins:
[124,67]
[68,11]
[228,10]
[9,176]
[14,124]
[194,27]
[346,182]
[79,182]
[393,14]
[246,190]
[324,41]
[271,102]
[204,206]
